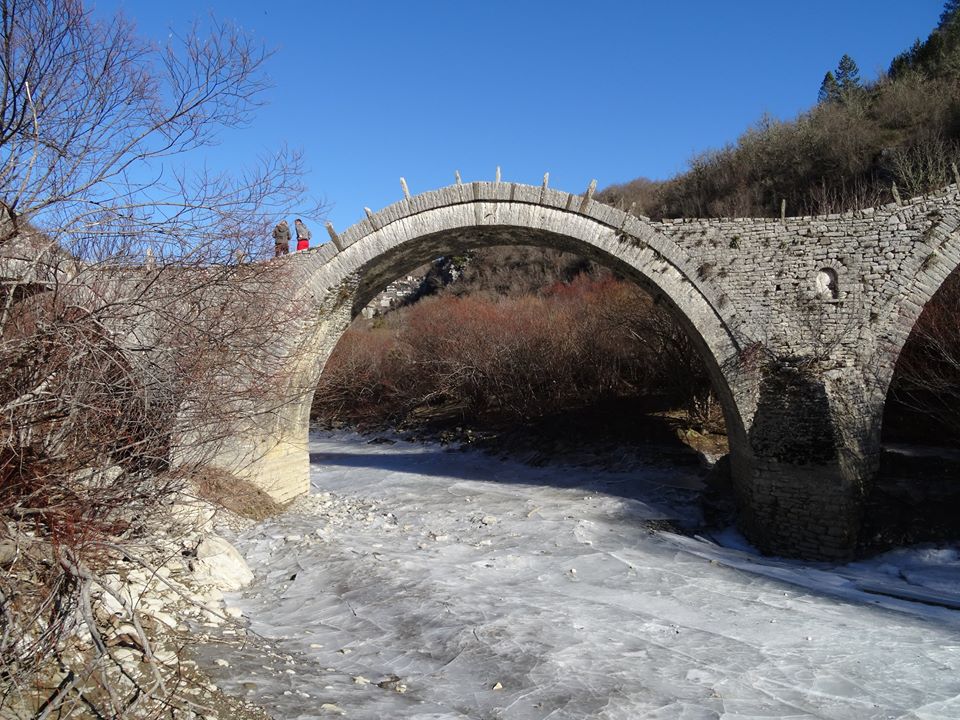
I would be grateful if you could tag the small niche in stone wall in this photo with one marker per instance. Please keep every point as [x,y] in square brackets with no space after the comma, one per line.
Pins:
[826,287]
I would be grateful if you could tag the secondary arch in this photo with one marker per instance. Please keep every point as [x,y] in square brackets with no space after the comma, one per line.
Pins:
[927,270]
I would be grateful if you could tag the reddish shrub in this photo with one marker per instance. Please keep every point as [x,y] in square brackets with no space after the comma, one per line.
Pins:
[515,358]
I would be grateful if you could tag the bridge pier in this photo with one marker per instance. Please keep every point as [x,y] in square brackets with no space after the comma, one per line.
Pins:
[810,511]
[812,451]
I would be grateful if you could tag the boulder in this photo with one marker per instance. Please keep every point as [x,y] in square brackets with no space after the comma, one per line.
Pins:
[220,564]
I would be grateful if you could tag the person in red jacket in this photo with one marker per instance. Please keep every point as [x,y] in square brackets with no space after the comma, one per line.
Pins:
[303,235]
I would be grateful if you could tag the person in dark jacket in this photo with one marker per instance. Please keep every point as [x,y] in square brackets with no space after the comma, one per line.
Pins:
[303,235]
[281,239]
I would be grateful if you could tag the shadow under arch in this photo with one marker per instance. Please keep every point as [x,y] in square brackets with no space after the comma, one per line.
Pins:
[933,270]
[916,497]
[923,390]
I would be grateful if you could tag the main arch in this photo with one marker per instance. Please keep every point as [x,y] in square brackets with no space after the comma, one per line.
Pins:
[334,284]
[331,283]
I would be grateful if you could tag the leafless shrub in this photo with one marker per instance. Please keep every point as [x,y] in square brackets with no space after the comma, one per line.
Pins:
[924,165]
[110,366]
[508,359]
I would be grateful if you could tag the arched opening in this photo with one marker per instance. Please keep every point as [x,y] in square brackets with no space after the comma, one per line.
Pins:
[336,281]
[593,349]
[916,496]
[512,334]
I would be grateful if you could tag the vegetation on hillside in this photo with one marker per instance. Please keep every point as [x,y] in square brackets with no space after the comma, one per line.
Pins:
[848,151]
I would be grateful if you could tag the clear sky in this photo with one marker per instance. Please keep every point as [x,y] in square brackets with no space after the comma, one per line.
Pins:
[607,90]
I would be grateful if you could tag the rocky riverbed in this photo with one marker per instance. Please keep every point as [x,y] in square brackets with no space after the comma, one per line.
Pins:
[419,582]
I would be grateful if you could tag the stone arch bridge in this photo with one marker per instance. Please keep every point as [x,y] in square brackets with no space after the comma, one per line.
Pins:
[799,320]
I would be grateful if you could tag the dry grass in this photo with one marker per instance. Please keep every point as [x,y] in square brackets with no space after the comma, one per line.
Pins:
[226,490]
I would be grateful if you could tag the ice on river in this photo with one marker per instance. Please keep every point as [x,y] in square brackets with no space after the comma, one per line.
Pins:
[422,583]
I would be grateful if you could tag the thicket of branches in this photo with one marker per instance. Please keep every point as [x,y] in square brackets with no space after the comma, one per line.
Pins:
[488,359]
[124,310]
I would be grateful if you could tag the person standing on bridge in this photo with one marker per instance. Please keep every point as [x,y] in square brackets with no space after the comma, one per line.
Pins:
[281,239]
[303,235]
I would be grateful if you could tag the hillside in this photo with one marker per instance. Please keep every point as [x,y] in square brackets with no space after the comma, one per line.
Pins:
[848,151]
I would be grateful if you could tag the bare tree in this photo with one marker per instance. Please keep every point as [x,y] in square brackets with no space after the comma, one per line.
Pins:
[125,314]
[92,119]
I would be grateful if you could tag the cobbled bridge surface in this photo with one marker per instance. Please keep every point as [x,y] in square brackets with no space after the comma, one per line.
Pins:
[799,320]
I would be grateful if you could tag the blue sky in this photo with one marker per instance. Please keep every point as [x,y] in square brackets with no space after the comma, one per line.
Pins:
[608,90]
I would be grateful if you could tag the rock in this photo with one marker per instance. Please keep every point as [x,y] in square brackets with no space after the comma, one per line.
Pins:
[488,520]
[393,682]
[164,619]
[165,657]
[8,552]
[333,708]
[360,680]
[110,604]
[497,686]
[221,662]
[210,618]
[219,563]
[211,597]
[126,656]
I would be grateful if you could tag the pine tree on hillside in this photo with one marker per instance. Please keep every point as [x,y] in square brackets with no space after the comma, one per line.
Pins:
[842,85]
[848,76]
[950,14]
[938,55]
[829,90]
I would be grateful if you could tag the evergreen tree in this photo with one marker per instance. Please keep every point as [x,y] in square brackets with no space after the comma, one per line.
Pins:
[829,90]
[949,33]
[848,76]
[842,85]
[939,55]
[906,61]
[950,14]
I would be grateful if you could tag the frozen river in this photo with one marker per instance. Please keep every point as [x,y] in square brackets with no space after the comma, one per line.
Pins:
[421,583]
